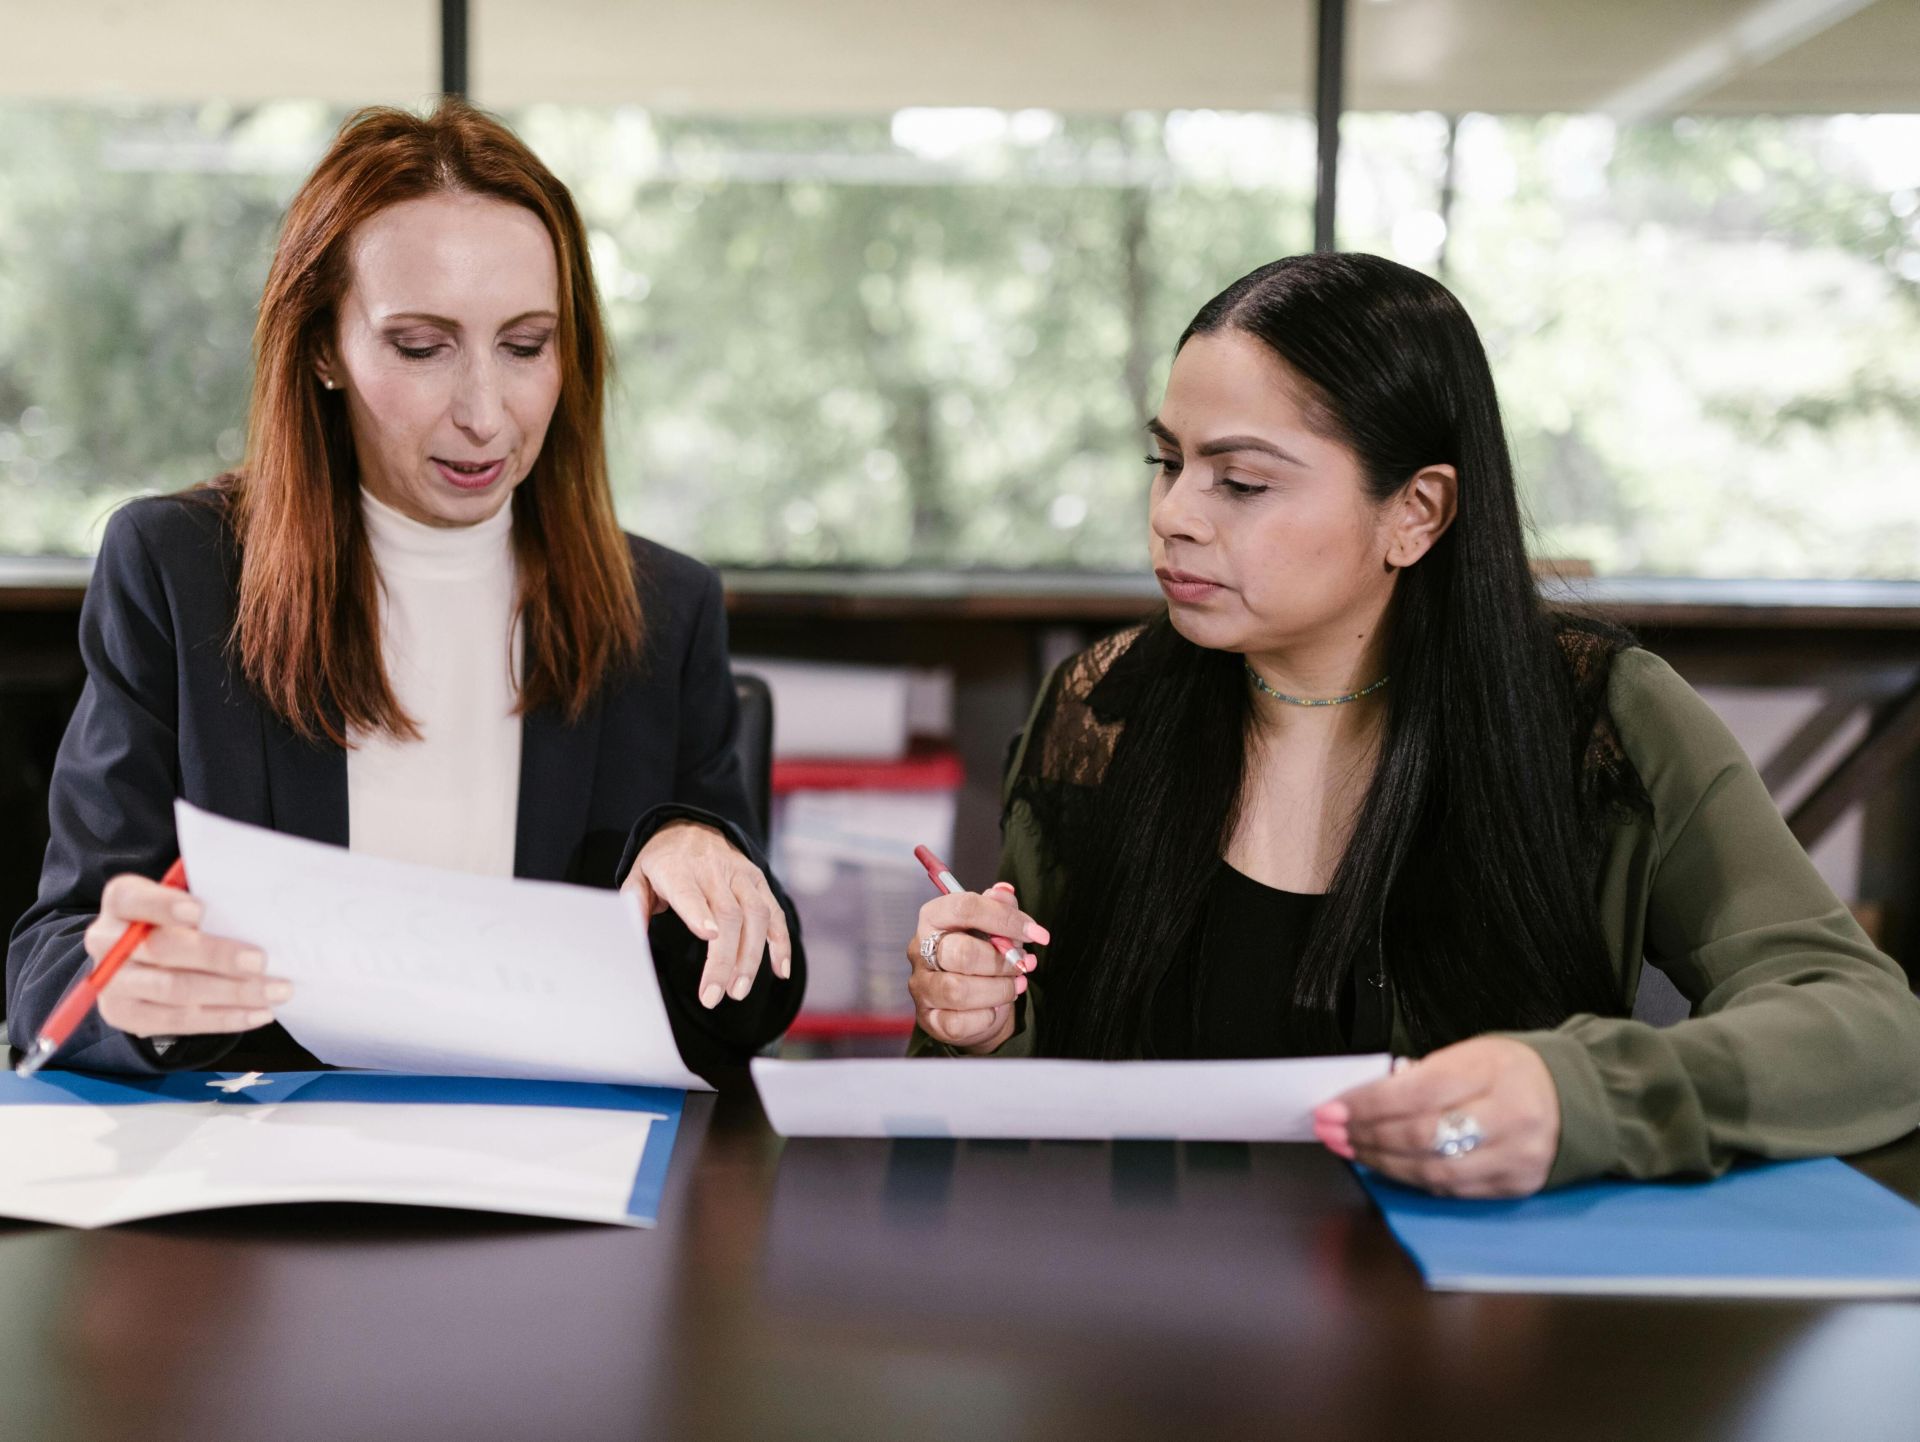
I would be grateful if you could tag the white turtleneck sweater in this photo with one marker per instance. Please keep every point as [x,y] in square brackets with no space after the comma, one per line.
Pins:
[451,642]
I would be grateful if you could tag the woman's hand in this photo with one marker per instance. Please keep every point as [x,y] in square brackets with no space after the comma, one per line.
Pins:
[179,981]
[1500,1085]
[696,872]
[967,1000]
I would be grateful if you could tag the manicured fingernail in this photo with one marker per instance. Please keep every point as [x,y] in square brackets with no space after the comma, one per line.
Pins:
[741,986]
[1039,933]
[710,996]
[1341,1150]
[251,961]
[279,990]
[186,911]
[1332,1113]
[1028,960]
[1019,985]
[259,1018]
[783,967]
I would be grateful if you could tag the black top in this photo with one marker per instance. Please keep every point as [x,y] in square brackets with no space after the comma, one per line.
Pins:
[1229,994]
[166,714]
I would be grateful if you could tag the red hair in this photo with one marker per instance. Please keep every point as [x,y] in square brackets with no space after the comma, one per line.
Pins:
[306,631]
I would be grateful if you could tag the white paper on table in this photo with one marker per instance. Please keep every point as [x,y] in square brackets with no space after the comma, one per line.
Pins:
[398,967]
[98,1166]
[1211,1101]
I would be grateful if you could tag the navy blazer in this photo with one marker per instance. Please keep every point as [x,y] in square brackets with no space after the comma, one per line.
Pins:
[165,713]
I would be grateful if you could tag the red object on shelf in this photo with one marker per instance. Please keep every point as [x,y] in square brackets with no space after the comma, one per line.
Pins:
[924,768]
[839,1025]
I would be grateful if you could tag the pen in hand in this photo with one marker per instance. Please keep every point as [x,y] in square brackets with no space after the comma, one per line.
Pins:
[941,875]
[78,1002]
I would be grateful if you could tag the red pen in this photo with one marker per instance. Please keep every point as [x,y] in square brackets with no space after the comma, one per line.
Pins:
[941,875]
[75,1005]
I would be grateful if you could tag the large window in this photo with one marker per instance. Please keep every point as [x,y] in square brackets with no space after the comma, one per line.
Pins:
[923,339]
[134,241]
[1706,329]
[895,286]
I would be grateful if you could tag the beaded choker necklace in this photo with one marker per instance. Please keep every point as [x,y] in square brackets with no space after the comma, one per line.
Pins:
[1311,701]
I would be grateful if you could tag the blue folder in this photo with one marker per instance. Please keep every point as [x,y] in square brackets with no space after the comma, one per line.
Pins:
[63,1088]
[1775,1229]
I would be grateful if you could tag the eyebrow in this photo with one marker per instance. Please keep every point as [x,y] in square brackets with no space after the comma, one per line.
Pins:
[1227,445]
[441,320]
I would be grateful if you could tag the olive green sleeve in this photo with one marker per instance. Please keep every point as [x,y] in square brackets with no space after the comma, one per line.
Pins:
[1804,1039]
[1023,864]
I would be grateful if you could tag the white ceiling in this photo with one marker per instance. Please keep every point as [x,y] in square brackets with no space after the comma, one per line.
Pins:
[842,56]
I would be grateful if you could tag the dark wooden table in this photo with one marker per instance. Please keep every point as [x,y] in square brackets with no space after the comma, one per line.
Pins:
[915,1290]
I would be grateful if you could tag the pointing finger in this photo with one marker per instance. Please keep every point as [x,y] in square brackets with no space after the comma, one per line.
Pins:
[752,944]
[723,947]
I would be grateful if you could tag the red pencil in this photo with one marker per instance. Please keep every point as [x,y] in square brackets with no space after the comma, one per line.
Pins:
[941,875]
[75,1005]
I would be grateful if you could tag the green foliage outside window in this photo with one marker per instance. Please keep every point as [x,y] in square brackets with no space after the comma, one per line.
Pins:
[930,339]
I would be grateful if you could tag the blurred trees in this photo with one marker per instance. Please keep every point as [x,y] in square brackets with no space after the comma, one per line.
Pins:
[930,339]
[132,252]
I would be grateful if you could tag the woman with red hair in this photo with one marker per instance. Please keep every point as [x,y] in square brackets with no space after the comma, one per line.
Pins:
[408,623]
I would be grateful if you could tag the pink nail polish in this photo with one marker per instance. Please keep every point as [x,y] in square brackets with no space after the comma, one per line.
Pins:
[1019,985]
[1039,933]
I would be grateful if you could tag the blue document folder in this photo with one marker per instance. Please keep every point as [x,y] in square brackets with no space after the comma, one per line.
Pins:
[1775,1229]
[93,1149]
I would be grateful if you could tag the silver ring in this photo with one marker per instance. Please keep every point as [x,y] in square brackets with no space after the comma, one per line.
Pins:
[930,948]
[1456,1134]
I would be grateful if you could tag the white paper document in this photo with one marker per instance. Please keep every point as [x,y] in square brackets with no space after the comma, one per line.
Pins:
[1223,1101]
[398,967]
[88,1151]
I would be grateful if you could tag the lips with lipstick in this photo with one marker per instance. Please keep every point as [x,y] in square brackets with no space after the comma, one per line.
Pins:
[1185,586]
[470,475]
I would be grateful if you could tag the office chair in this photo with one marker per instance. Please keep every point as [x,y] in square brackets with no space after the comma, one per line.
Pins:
[754,746]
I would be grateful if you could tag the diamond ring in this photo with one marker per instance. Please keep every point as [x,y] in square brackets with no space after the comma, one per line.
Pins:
[1456,1134]
[930,948]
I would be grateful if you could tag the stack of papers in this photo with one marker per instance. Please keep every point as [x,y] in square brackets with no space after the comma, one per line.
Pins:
[518,1050]
[92,1151]
[1780,1229]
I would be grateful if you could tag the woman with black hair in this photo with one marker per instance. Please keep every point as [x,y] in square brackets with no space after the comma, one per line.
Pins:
[1357,789]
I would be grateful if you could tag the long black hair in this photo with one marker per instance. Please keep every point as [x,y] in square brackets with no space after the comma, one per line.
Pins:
[1468,878]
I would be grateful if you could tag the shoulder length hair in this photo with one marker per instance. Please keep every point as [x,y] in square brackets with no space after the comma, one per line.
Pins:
[306,630]
[1468,878]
